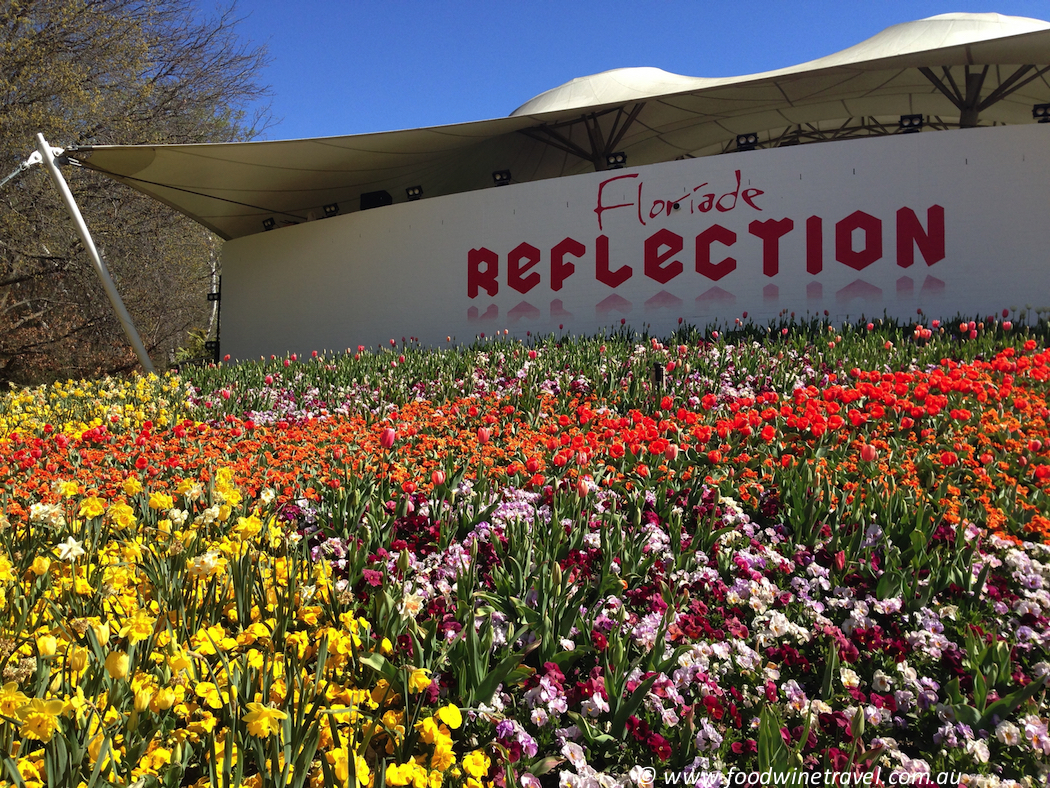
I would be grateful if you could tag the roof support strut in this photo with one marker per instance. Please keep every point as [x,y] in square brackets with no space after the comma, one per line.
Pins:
[599,145]
[47,154]
[968,98]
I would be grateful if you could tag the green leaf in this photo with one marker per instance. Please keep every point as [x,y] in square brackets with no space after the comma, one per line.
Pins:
[1004,707]
[627,707]
[384,668]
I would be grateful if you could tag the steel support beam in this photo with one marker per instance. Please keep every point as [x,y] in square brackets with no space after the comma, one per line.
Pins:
[47,154]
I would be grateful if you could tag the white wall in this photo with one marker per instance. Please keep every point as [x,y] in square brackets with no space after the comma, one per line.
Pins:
[403,270]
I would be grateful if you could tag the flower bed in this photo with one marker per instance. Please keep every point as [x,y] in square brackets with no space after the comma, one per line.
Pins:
[563,562]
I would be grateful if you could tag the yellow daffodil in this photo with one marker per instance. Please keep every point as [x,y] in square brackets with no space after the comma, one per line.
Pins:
[160,501]
[122,515]
[11,698]
[68,489]
[263,720]
[92,507]
[139,627]
[40,718]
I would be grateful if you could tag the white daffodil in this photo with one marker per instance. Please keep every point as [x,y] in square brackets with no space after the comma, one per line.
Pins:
[70,549]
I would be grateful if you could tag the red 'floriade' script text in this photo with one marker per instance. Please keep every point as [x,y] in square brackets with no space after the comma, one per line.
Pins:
[695,200]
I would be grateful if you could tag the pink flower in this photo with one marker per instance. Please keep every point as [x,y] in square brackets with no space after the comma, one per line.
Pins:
[387,438]
[483,435]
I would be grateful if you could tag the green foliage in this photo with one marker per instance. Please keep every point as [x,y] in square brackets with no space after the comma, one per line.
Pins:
[109,72]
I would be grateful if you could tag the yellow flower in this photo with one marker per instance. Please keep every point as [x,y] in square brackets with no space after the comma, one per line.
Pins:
[11,698]
[164,699]
[68,489]
[210,694]
[143,697]
[122,514]
[402,774]
[138,627]
[92,506]
[450,715]
[117,664]
[40,565]
[263,720]
[6,567]
[443,756]
[46,645]
[158,500]
[40,718]
[132,486]
[476,764]
[429,730]
[101,630]
[247,527]
[78,659]
[418,681]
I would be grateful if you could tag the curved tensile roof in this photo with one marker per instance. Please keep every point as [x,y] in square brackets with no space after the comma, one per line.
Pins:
[953,69]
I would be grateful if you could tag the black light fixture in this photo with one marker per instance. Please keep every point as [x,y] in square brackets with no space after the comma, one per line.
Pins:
[414,193]
[616,161]
[501,177]
[1041,112]
[910,124]
[657,376]
[269,223]
[331,210]
[746,141]
[377,199]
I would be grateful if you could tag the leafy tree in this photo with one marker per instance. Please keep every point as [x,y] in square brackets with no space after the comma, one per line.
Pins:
[110,72]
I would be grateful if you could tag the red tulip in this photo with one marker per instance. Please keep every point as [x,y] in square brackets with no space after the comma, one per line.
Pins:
[483,435]
[949,458]
[387,437]
[671,452]
[438,478]
[869,453]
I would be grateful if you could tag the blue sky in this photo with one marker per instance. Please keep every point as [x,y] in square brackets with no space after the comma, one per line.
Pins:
[352,67]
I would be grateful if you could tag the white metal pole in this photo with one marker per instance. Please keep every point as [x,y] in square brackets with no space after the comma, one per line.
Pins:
[100,268]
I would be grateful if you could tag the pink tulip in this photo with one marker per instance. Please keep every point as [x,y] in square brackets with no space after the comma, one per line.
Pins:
[483,435]
[387,437]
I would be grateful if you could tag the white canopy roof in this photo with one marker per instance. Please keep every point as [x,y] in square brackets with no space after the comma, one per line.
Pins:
[954,69]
